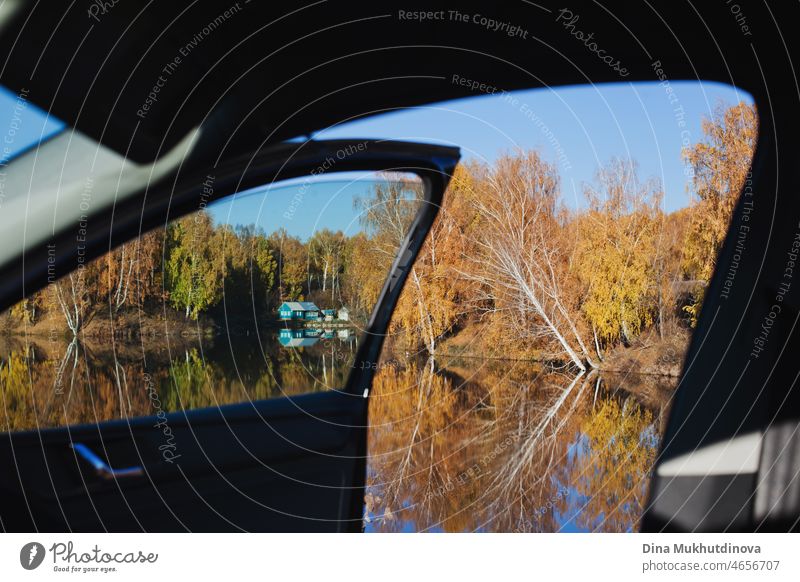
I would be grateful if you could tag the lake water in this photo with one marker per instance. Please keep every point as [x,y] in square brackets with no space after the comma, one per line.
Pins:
[454,445]
[480,445]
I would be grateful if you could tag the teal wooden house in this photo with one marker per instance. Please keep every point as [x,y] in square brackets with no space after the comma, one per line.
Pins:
[298,310]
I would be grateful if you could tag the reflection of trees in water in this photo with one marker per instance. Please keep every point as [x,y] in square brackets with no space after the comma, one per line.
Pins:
[511,449]
[67,365]
[73,383]
[521,483]
[506,447]
[67,386]
[612,458]
[410,412]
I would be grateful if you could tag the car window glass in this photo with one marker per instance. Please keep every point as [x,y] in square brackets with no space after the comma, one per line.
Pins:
[259,295]
[538,343]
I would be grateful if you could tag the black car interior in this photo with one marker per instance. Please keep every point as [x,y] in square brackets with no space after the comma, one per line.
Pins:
[260,74]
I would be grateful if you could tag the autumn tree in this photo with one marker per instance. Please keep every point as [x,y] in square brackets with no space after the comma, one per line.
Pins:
[614,258]
[325,251]
[149,272]
[116,284]
[437,294]
[366,274]
[520,263]
[292,259]
[667,267]
[29,308]
[720,163]
[73,295]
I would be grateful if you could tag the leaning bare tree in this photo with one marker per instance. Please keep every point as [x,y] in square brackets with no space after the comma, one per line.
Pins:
[519,262]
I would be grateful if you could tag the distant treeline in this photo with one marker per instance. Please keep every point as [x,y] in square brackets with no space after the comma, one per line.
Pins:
[194,266]
[506,255]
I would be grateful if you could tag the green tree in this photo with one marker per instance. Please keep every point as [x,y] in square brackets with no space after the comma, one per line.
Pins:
[192,268]
[265,264]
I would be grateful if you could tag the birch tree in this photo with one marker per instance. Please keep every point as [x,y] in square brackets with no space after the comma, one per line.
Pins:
[325,251]
[72,296]
[519,262]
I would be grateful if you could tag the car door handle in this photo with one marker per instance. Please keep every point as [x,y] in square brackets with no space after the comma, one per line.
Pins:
[101,467]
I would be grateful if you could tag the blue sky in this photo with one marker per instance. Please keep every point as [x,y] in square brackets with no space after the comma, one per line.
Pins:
[22,125]
[576,128]
[301,207]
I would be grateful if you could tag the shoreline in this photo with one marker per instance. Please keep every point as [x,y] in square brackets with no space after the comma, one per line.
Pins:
[614,370]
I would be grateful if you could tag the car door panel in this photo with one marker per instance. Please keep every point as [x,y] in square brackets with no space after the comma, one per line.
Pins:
[284,464]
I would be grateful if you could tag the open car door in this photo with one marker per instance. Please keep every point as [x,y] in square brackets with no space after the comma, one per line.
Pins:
[292,463]
[730,456]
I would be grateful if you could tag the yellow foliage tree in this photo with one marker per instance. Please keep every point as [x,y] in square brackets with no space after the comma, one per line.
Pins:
[434,295]
[720,164]
[615,250]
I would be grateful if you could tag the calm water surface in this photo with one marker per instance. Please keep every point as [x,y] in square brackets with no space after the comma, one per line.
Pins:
[454,445]
[479,445]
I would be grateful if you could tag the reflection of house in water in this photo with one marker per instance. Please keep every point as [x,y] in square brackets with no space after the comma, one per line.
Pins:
[298,338]
[346,335]
[305,337]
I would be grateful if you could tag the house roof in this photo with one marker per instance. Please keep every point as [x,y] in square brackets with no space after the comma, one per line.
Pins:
[300,306]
